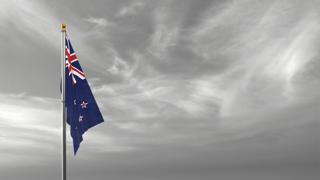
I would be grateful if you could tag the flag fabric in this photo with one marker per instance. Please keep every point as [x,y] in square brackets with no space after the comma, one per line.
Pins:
[82,109]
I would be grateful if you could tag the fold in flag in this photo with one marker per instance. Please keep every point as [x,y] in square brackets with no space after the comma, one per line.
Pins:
[82,109]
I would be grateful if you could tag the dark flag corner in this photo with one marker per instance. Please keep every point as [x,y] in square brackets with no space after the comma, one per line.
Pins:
[81,107]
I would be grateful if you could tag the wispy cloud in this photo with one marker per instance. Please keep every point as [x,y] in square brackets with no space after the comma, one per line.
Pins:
[32,18]
[256,53]
[165,34]
[100,22]
[219,84]
[130,9]
[30,124]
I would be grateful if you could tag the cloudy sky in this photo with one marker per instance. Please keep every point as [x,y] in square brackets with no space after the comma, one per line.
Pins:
[189,89]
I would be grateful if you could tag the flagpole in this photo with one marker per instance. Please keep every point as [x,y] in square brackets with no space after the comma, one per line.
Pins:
[63,115]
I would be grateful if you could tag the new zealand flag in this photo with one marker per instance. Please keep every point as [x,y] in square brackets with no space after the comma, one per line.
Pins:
[82,109]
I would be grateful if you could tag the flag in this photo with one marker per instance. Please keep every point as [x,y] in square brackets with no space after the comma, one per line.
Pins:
[82,109]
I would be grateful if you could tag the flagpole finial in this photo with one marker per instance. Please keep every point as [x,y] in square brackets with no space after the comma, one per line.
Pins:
[63,27]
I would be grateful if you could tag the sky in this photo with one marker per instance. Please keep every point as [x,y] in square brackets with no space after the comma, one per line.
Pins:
[192,90]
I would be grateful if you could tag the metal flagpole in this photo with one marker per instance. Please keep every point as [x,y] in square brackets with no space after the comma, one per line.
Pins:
[63,74]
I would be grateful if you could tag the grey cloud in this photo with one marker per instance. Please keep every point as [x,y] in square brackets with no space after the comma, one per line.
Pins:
[188,89]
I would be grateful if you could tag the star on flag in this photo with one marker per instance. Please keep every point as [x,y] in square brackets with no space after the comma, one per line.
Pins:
[84,104]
